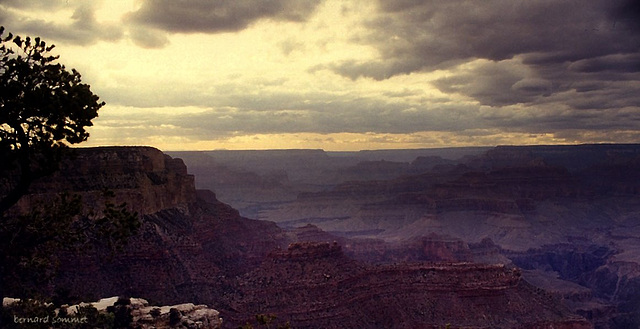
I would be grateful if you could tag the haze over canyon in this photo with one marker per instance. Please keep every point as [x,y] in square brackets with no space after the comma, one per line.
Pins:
[499,237]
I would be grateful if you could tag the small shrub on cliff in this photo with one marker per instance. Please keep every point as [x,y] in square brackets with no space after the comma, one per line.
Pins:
[175,317]
[155,312]
[265,319]
[116,225]
[121,310]
[94,319]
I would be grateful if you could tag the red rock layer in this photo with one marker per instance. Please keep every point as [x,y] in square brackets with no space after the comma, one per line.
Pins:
[316,286]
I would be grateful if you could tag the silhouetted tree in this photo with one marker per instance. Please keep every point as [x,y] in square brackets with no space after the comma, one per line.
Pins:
[44,108]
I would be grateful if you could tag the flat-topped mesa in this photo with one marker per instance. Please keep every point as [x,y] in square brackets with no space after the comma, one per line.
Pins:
[446,277]
[145,178]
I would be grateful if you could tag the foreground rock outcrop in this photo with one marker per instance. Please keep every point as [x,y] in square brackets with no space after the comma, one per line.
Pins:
[119,311]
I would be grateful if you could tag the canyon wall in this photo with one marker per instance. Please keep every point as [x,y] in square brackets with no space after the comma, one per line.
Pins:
[527,203]
[145,178]
[192,248]
[314,285]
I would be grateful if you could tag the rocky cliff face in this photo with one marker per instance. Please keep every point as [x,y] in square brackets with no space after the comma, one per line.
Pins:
[189,242]
[176,257]
[145,178]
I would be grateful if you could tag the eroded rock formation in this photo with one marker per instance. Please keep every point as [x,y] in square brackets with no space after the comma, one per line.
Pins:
[314,285]
[192,248]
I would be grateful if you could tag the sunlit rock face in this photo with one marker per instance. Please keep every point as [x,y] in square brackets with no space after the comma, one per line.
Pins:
[146,316]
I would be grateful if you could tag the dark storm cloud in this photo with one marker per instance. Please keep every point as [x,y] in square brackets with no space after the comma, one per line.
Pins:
[618,63]
[431,34]
[495,84]
[610,95]
[626,14]
[557,44]
[190,16]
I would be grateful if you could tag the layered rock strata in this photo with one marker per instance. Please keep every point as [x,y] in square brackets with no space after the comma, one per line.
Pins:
[145,178]
[314,285]
[192,248]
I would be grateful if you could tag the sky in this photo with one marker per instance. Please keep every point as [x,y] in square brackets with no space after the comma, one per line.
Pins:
[348,74]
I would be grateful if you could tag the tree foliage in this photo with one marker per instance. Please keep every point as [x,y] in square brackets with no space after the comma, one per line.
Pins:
[43,108]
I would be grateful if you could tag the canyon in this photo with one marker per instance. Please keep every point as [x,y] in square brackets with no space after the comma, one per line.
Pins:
[507,237]
[553,211]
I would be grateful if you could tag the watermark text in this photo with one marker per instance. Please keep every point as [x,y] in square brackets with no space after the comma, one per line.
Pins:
[49,319]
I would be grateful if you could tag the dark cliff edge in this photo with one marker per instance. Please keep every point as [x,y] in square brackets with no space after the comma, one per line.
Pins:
[193,248]
[145,178]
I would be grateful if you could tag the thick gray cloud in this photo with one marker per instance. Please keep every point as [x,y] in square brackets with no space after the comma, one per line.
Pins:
[239,112]
[559,44]
[148,25]
[430,34]
[83,28]
[496,83]
[191,16]
[617,64]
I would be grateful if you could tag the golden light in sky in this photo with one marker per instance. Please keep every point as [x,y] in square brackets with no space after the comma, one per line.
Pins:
[345,75]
